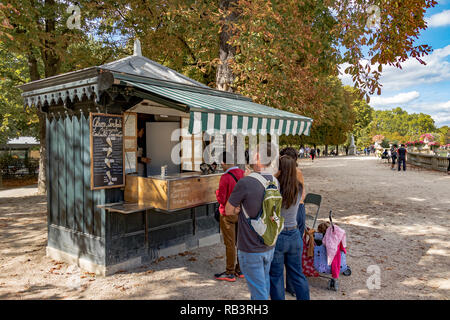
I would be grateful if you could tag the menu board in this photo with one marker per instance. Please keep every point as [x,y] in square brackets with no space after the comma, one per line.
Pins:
[107,154]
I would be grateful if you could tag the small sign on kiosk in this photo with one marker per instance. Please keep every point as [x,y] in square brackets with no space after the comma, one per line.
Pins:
[107,152]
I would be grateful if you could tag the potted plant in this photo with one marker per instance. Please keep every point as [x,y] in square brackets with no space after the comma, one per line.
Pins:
[419,144]
[434,145]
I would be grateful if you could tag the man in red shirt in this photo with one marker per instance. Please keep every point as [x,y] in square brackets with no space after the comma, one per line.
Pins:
[228,224]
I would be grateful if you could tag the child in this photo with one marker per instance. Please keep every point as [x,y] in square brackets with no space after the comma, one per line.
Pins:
[228,224]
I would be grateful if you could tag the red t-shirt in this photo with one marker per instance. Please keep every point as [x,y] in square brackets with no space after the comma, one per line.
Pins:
[226,186]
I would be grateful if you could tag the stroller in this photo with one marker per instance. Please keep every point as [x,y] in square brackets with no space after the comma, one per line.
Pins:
[316,265]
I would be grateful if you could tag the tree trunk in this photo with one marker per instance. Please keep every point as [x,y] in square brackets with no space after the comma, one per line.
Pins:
[34,75]
[42,177]
[49,56]
[326,149]
[224,75]
[337,150]
[51,68]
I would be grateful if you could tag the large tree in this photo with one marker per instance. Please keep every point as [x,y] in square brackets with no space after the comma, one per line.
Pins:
[334,128]
[36,32]
[363,117]
[279,52]
[399,125]
[15,120]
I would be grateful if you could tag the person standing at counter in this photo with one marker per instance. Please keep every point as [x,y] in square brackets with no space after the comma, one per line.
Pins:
[142,160]
[228,224]
[254,256]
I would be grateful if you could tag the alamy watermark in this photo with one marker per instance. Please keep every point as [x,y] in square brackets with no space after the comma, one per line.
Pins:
[242,149]
[374,19]
[74,21]
[374,281]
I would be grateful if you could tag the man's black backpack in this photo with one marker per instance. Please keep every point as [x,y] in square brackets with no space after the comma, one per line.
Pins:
[217,212]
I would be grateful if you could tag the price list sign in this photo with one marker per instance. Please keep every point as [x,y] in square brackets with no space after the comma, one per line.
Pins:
[107,154]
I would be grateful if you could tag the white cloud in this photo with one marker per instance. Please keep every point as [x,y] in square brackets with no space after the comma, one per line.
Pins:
[412,76]
[394,101]
[429,107]
[413,73]
[441,120]
[439,111]
[439,19]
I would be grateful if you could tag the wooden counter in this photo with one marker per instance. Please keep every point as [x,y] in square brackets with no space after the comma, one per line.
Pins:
[172,193]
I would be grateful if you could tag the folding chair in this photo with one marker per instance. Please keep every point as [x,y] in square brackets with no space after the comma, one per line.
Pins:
[315,199]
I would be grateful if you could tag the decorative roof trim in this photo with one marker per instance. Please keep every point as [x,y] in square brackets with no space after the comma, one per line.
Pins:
[67,91]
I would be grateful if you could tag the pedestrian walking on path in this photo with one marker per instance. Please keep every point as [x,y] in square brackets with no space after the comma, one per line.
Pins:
[393,156]
[302,152]
[402,157]
[312,153]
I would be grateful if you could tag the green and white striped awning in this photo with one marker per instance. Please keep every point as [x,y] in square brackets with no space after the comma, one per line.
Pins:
[215,111]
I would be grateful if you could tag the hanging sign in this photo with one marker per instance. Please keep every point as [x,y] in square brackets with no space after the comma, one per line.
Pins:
[107,154]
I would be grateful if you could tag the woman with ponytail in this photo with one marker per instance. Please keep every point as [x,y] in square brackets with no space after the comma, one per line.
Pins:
[288,249]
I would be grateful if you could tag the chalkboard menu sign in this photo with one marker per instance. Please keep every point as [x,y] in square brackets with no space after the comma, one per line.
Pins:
[107,154]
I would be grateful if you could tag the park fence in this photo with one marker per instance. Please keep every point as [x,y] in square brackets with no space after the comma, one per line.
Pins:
[428,161]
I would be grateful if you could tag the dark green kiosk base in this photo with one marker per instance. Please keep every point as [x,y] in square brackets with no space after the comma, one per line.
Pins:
[83,232]
[134,236]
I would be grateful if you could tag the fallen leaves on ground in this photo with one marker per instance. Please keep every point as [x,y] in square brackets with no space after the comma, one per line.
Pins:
[160,259]
[121,271]
[186,253]
[122,287]
[91,274]
[53,269]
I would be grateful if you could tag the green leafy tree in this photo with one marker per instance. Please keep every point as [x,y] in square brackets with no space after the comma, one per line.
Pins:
[279,52]
[363,117]
[15,120]
[334,128]
[444,134]
[398,125]
[39,44]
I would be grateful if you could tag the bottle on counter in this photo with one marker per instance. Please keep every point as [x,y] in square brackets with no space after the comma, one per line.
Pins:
[163,171]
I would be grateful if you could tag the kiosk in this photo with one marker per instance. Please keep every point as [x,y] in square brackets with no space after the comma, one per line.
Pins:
[116,197]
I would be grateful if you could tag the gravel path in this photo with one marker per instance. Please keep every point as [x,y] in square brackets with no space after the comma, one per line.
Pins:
[397,222]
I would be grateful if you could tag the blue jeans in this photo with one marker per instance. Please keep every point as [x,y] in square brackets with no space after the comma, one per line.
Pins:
[288,252]
[400,161]
[301,218]
[255,267]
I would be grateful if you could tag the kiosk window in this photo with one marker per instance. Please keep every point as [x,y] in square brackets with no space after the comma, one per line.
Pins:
[130,142]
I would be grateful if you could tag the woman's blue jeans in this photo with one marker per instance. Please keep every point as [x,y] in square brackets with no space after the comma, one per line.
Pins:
[288,253]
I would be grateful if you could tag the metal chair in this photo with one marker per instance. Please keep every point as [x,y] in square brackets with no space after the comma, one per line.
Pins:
[316,199]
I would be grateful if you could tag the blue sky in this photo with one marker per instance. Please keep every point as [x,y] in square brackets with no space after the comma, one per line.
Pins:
[418,88]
